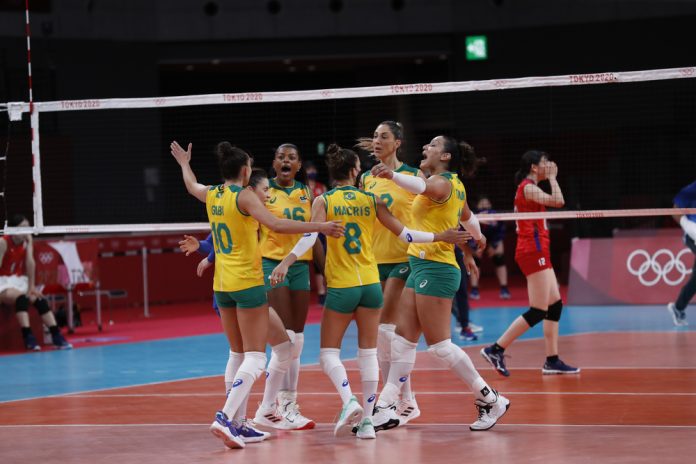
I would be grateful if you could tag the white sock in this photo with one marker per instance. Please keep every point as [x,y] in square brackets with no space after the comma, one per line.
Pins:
[281,355]
[252,367]
[293,375]
[403,357]
[450,355]
[385,334]
[233,362]
[406,392]
[369,375]
[330,360]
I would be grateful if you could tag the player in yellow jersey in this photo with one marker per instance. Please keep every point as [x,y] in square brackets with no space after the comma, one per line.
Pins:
[352,279]
[234,214]
[390,252]
[435,277]
[290,199]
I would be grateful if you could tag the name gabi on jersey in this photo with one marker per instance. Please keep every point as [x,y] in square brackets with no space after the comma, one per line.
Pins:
[217,210]
[351,210]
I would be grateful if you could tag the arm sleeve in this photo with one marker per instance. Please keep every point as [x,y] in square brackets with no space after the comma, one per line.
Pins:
[205,247]
[413,184]
[304,244]
[473,227]
[416,236]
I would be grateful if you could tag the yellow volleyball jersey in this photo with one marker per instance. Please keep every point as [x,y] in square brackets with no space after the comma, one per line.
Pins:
[434,216]
[289,203]
[388,248]
[350,261]
[235,240]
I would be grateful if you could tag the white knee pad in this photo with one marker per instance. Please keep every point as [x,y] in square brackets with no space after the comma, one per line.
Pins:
[367,362]
[254,364]
[329,359]
[281,357]
[291,335]
[403,350]
[446,353]
[297,345]
[385,335]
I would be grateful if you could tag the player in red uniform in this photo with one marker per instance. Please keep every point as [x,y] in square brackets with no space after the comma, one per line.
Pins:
[533,258]
[18,289]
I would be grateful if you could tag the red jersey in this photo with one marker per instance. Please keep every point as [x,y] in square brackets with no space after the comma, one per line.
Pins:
[532,234]
[13,259]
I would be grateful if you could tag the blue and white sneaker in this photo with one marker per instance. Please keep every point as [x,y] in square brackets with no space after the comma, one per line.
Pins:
[474,294]
[497,360]
[678,315]
[558,367]
[248,433]
[467,335]
[30,343]
[60,343]
[226,431]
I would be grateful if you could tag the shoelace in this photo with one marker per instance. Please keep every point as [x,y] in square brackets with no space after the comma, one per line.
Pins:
[482,410]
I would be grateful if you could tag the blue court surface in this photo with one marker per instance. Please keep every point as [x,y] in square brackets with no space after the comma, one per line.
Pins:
[35,375]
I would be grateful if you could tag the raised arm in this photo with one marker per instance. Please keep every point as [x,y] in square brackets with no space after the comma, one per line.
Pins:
[534,193]
[250,204]
[435,187]
[407,235]
[183,157]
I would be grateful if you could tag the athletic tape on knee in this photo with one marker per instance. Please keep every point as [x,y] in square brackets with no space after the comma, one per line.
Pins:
[22,304]
[403,350]
[533,316]
[41,306]
[329,359]
[446,353]
[367,362]
[499,260]
[254,365]
[297,345]
[385,334]
[281,356]
[555,310]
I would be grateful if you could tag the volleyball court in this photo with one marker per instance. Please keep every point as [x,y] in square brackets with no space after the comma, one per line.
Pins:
[635,398]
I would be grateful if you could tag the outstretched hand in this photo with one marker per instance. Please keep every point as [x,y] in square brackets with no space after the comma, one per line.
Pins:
[189,244]
[333,228]
[180,155]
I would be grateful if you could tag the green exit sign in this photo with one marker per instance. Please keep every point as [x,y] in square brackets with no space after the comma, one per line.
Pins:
[476,47]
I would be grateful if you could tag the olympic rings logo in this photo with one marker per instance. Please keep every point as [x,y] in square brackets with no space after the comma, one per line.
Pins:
[661,270]
[46,257]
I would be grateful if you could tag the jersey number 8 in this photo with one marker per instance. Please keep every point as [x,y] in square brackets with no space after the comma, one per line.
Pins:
[352,242]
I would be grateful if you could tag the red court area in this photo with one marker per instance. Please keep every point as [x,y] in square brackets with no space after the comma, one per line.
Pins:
[635,401]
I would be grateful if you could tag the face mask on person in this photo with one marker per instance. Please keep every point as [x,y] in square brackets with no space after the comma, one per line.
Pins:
[312,175]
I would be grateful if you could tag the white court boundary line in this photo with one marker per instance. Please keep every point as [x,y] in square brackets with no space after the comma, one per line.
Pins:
[419,393]
[314,366]
[322,424]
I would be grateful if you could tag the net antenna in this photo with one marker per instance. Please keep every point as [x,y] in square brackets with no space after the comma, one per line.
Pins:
[359,94]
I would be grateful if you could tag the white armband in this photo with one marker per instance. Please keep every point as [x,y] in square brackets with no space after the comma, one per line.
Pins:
[304,244]
[689,227]
[413,184]
[416,236]
[473,227]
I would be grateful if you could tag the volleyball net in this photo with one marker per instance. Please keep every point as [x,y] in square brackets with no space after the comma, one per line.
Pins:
[624,143]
